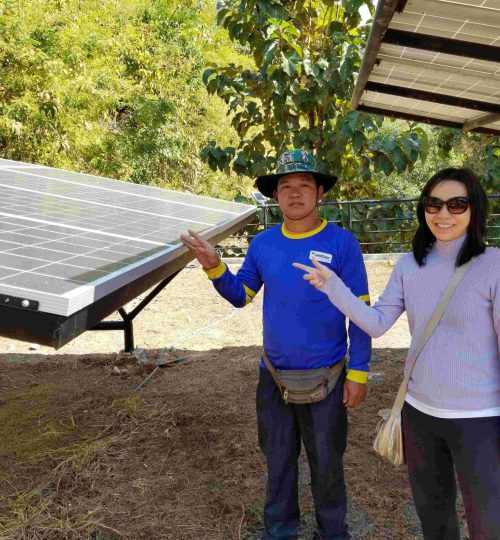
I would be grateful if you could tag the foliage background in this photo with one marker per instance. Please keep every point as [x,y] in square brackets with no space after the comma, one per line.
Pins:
[115,88]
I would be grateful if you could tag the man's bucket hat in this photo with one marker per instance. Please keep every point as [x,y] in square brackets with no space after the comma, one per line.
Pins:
[293,161]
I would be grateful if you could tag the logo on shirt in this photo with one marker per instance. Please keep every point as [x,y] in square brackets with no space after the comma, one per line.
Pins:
[321,257]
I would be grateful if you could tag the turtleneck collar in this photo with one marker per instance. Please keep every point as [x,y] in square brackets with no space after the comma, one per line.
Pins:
[450,248]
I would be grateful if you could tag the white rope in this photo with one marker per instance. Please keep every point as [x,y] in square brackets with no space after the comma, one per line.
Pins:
[202,329]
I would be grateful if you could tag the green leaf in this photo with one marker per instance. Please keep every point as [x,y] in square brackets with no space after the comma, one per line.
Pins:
[308,66]
[336,26]
[368,122]
[353,119]
[290,29]
[365,168]
[383,164]
[221,15]
[290,62]
[269,51]
[207,74]
[359,140]
[279,86]
[322,63]
[346,130]
[322,40]
[346,70]
[408,144]
[217,154]
[298,49]
[399,159]
[295,87]
[335,84]
[241,159]
[271,70]
[389,144]
[423,141]
[252,108]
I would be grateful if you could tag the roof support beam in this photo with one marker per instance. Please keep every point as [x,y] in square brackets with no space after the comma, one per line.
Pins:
[381,20]
[409,116]
[423,95]
[443,45]
[481,121]
[422,119]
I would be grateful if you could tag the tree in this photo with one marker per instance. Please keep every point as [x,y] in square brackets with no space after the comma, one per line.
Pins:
[113,88]
[306,55]
[479,152]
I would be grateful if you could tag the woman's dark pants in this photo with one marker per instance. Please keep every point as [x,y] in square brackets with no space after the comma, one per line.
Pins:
[435,448]
[322,427]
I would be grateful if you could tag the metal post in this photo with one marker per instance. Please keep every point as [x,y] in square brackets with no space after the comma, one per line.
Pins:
[128,330]
[127,323]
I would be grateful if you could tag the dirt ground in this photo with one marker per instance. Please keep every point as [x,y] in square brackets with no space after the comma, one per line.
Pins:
[84,456]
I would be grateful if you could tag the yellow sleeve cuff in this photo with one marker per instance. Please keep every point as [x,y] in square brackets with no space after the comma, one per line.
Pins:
[357,376]
[249,294]
[365,298]
[214,273]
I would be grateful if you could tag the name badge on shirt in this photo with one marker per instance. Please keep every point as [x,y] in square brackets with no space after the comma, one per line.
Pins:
[321,257]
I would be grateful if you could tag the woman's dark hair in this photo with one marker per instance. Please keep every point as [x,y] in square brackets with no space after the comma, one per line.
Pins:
[474,242]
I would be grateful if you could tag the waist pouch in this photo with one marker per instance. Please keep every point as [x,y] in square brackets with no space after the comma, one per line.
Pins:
[305,385]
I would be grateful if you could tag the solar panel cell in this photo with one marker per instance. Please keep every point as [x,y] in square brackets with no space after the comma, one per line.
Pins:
[6,272]
[16,261]
[74,273]
[30,282]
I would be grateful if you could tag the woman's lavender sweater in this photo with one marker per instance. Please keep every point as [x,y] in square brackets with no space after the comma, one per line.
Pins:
[457,374]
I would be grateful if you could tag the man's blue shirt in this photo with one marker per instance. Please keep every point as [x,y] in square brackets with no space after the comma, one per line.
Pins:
[302,328]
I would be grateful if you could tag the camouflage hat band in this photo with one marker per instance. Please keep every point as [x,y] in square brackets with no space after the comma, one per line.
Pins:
[295,161]
[289,162]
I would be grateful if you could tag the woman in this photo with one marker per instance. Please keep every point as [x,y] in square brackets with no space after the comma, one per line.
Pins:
[451,417]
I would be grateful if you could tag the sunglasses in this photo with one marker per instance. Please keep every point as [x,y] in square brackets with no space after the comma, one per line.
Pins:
[455,205]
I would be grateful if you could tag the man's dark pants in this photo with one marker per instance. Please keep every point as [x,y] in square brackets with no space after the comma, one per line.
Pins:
[322,427]
[437,447]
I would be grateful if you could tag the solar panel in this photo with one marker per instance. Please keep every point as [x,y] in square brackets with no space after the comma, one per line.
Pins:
[68,240]
[434,61]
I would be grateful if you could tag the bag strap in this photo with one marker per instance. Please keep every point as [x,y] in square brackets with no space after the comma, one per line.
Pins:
[429,329]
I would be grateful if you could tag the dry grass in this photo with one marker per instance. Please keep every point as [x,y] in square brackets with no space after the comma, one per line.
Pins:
[46,511]
[64,464]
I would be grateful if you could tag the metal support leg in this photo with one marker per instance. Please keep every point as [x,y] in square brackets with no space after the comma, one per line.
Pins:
[127,323]
[128,329]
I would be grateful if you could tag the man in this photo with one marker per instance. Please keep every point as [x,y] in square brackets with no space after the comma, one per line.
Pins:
[302,330]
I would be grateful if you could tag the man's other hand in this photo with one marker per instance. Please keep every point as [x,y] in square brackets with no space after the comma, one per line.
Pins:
[203,251]
[354,393]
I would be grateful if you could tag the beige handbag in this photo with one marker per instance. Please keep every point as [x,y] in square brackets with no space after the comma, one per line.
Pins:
[389,440]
